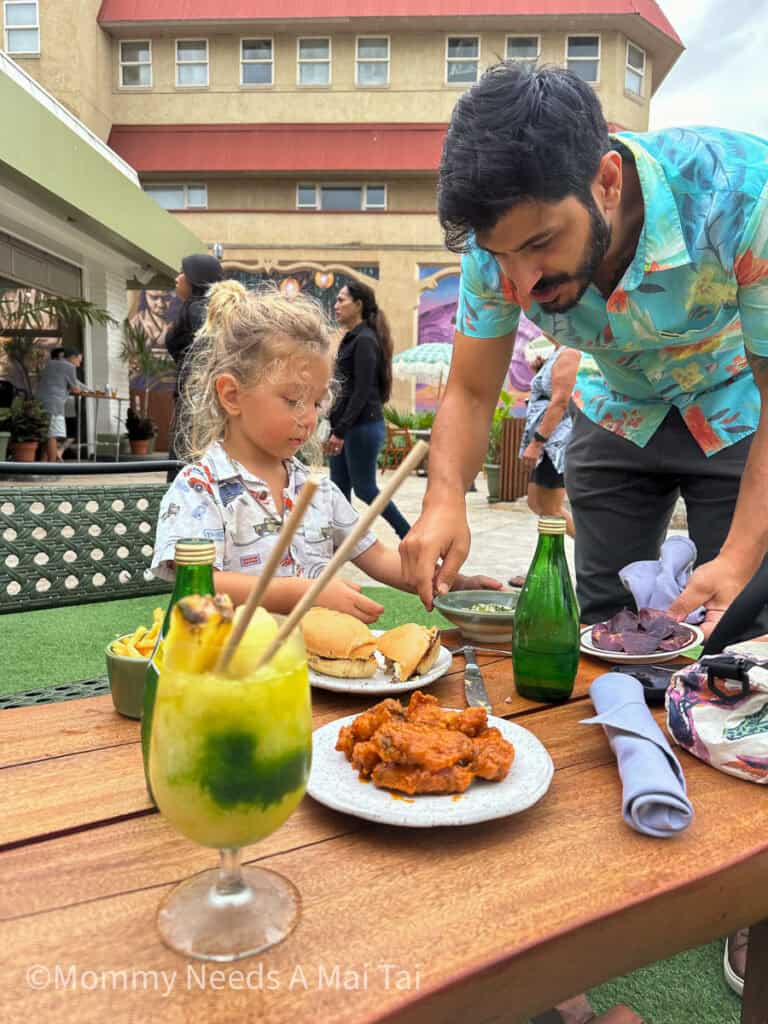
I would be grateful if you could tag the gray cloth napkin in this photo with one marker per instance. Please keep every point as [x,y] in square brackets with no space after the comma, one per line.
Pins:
[653,800]
[656,583]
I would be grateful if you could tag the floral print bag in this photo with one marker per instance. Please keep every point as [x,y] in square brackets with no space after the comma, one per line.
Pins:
[717,709]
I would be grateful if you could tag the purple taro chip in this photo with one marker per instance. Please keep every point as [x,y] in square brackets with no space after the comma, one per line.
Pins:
[604,640]
[657,623]
[624,621]
[681,637]
[639,643]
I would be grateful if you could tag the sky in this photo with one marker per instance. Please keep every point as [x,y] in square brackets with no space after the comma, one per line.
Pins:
[722,77]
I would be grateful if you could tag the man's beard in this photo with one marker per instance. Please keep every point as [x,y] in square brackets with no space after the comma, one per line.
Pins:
[597,247]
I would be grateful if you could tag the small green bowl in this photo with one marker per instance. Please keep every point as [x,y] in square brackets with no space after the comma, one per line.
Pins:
[484,627]
[126,681]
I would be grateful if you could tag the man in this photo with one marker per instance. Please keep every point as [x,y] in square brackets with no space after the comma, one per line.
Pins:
[650,252]
[57,382]
[198,273]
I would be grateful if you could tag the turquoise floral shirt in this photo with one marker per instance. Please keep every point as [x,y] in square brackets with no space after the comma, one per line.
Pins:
[674,330]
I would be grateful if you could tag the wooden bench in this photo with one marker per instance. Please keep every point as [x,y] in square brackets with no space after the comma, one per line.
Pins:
[73,545]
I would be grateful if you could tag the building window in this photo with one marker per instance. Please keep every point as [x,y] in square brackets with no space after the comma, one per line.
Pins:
[634,73]
[523,50]
[583,57]
[135,63]
[192,62]
[179,197]
[256,62]
[314,62]
[372,66]
[462,59]
[22,28]
[341,197]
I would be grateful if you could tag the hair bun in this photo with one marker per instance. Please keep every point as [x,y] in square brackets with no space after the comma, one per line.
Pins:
[224,301]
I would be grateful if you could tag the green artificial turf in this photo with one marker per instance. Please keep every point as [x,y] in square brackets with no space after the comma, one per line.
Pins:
[65,644]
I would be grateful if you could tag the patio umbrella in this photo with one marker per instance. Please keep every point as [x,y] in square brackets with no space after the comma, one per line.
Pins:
[429,362]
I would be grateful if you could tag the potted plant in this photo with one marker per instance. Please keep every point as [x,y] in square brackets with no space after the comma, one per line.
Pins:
[141,429]
[492,464]
[148,370]
[27,422]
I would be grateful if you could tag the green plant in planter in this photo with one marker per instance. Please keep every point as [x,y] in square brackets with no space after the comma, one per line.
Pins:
[139,427]
[26,419]
[502,412]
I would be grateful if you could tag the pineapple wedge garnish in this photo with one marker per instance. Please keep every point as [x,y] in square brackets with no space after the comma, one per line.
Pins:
[198,631]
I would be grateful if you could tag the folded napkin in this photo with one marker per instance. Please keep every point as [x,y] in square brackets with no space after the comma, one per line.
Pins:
[656,584]
[653,800]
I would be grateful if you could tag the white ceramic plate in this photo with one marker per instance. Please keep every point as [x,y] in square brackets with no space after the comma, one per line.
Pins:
[334,782]
[382,681]
[622,658]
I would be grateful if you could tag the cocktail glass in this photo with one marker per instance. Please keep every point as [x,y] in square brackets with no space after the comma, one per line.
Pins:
[229,761]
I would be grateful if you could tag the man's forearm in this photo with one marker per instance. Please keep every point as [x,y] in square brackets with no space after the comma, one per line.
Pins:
[458,443]
[552,416]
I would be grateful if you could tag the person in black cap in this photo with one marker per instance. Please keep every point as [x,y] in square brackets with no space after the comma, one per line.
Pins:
[198,273]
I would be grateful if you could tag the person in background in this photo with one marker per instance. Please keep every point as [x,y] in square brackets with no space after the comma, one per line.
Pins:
[364,372]
[198,273]
[57,382]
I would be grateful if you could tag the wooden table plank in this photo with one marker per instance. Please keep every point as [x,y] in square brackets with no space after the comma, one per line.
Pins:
[566,885]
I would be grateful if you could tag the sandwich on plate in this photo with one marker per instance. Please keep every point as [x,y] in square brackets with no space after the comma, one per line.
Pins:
[338,644]
[410,650]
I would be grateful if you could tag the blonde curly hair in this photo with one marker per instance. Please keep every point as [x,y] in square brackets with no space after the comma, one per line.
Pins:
[248,335]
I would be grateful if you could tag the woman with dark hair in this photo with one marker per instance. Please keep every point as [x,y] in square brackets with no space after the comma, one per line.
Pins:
[364,370]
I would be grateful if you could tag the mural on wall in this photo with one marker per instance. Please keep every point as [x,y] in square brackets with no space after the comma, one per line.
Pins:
[154,310]
[323,282]
[436,321]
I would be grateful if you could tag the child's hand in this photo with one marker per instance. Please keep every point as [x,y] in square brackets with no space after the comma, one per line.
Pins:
[346,597]
[476,583]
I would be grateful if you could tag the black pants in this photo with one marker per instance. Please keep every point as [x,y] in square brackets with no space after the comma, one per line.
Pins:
[622,498]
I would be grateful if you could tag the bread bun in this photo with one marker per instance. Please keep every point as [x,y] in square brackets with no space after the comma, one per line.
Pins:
[338,644]
[410,649]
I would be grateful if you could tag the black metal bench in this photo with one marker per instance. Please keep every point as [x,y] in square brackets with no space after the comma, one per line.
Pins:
[72,545]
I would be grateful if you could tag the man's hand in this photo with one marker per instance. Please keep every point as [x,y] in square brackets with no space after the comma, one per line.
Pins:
[346,597]
[435,549]
[462,582]
[714,584]
[532,454]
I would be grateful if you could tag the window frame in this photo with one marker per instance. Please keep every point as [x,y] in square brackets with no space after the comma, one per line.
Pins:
[629,67]
[313,60]
[523,60]
[21,28]
[185,186]
[362,185]
[373,60]
[466,60]
[271,62]
[132,64]
[598,58]
[176,62]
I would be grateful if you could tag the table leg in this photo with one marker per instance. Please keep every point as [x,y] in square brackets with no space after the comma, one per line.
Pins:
[78,415]
[754,1003]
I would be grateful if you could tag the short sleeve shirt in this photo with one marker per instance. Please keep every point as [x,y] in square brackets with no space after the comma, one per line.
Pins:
[220,500]
[675,329]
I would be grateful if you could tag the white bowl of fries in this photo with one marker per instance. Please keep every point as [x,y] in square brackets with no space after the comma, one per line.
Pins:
[127,660]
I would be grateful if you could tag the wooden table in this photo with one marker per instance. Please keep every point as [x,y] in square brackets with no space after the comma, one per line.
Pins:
[485,923]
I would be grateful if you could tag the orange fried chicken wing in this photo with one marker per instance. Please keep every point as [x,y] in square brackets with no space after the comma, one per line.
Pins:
[493,756]
[412,780]
[422,745]
[366,724]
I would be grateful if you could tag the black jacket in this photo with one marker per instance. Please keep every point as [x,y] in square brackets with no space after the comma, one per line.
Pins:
[360,371]
[182,332]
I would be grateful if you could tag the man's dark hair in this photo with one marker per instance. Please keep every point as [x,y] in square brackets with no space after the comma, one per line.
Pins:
[517,134]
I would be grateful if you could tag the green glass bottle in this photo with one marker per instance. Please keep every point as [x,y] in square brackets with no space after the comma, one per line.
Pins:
[545,652]
[194,575]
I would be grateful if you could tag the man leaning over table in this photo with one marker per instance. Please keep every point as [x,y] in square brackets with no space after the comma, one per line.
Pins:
[648,251]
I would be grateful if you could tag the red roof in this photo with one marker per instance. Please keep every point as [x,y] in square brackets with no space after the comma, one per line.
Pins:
[279,147]
[126,11]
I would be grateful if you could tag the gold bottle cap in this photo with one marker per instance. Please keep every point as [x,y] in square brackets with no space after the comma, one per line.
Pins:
[195,552]
[551,524]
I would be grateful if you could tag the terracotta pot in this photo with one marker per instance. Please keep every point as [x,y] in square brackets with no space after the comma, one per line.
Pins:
[140,447]
[24,451]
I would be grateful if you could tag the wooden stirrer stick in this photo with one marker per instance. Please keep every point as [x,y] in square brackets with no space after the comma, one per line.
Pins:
[411,461]
[289,527]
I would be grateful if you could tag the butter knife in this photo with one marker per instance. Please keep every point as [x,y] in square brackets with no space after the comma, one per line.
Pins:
[474,687]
